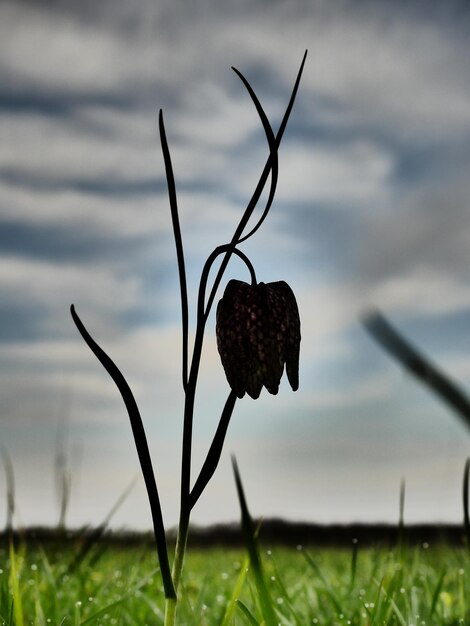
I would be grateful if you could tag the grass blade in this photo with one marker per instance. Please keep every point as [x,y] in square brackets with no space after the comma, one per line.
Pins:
[285,595]
[327,589]
[378,604]
[253,552]
[247,613]
[15,587]
[355,549]
[393,605]
[466,513]
[102,611]
[230,609]
[435,595]
[92,538]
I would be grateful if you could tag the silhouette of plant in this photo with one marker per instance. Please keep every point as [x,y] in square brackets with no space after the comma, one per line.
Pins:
[417,364]
[430,376]
[258,332]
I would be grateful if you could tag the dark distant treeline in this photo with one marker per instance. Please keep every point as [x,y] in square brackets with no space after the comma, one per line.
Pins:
[293,534]
[272,532]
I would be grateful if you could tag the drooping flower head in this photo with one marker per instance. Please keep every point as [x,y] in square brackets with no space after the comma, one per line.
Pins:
[258,332]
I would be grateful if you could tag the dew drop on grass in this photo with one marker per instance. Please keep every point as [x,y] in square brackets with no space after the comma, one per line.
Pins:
[299,547]
[224,576]
[34,567]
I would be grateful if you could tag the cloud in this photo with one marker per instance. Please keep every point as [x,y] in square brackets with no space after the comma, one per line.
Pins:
[76,56]
[371,208]
[46,290]
[423,292]
[351,174]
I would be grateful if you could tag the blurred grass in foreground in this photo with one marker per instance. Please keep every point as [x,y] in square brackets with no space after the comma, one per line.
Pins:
[419,585]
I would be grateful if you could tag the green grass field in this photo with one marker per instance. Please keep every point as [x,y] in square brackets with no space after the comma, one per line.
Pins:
[417,586]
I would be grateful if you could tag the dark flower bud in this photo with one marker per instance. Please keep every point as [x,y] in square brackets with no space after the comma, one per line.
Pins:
[258,331]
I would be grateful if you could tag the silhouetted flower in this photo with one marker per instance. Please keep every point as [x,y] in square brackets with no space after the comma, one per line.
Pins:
[258,331]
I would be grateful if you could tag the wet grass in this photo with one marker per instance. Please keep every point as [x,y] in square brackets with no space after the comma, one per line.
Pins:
[415,585]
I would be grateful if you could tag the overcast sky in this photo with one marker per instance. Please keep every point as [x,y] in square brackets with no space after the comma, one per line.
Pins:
[372,209]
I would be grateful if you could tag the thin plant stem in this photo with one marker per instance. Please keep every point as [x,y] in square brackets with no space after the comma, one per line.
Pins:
[191,387]
[170,611]
[203,311]
[188,497]
[202,319]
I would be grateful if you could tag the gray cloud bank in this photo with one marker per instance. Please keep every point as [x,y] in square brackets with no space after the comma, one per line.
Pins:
[372,208]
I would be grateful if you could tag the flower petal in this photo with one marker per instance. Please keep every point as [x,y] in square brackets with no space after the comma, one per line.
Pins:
[292,334]
[258,331]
